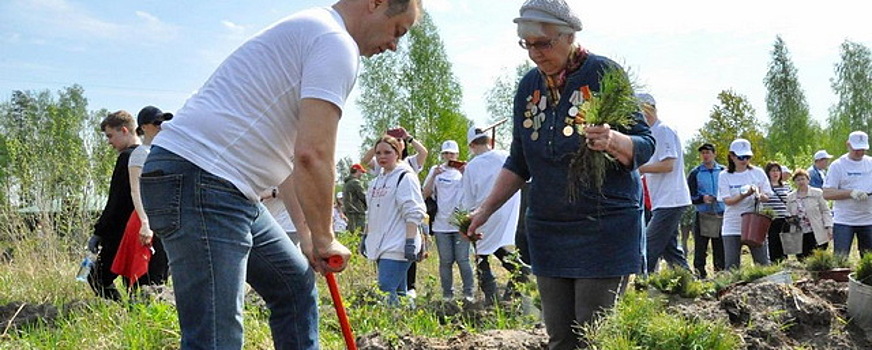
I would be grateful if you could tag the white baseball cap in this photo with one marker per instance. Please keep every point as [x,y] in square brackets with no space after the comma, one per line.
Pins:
[474,133]
[450,146]
[858,140]
[822,154]
[741,147]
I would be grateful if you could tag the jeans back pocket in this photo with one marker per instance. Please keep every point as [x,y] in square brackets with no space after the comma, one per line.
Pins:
[161,198]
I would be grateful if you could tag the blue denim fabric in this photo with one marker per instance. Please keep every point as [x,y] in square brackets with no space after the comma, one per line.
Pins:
[216,240]
[392,278]
[452,249]
[597,234]
[843,237]
[662,238]
[733,252]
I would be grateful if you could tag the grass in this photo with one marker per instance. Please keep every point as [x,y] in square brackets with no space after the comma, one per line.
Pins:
[864,269]
[823,260]
[43,270]
[676,281]
[640,322]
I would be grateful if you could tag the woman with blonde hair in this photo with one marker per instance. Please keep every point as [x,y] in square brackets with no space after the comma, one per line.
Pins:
[395,210]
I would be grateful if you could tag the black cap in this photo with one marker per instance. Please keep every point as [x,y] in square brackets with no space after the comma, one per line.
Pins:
[151,114]
[706,146]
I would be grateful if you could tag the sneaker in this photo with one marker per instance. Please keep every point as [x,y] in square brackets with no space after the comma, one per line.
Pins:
[469,298]
[411,293]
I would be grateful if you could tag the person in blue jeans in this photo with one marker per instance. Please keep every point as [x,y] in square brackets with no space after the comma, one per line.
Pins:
[667,188]
[848,184]
[444,184]
[395,208]
[267,116]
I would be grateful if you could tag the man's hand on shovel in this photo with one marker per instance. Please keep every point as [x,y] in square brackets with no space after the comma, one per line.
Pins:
[337,262]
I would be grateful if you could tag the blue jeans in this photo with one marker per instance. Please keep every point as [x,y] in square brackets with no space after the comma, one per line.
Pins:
[843,237]
[733,252]
[662,238]
[216,240]
[452,249]
[392,278]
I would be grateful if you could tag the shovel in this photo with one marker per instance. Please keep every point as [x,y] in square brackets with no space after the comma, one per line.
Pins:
[336,261]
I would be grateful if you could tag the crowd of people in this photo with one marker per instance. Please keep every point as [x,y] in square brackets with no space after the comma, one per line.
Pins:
[238,187]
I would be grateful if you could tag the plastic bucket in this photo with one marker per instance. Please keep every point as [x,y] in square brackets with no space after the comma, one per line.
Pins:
[710,224]
[755,228]
[860,303]
[791,242]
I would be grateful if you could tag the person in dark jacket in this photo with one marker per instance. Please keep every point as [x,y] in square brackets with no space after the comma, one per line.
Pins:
[120,130]
[354,203]
[703,184]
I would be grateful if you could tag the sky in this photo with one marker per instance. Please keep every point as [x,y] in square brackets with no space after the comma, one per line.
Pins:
[127,54]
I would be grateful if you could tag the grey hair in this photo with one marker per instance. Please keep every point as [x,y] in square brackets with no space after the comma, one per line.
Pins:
[537,29]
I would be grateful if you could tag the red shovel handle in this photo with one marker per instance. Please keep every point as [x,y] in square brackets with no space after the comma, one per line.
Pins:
[336,261]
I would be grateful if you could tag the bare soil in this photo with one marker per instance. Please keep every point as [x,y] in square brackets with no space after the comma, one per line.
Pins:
[807,314]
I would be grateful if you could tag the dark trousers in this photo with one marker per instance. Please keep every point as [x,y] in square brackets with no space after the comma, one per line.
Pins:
[519,272]
[809,245]
[411,275]
[101,279]
[776,251]
[158,266]
[700,251]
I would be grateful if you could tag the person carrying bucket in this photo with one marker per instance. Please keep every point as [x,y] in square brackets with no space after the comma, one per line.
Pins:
[742,187]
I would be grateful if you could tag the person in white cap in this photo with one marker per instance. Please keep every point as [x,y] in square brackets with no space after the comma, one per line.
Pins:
[818,171]
[583,245]
[267,116]
[742,188]
[444,184]
[667,188]
[848,185]
[497,235]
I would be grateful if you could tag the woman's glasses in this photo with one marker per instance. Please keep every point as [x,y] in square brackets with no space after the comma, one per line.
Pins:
[743,157]
[539,45]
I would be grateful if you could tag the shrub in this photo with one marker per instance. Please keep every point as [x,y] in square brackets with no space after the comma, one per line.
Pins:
[639,322]
[823,260]
[676,281]
[864,269]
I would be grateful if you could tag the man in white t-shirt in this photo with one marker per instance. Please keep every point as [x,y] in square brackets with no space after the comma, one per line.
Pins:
[667,189]
[848,184]
[272,108]
[497,236]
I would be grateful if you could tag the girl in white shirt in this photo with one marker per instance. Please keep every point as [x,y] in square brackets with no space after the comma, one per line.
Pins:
[395,210]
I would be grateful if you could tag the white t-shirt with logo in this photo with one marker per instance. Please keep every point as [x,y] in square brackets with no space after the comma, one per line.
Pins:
[447,190]
[848,174]
[731,185]
[667,190]
[242,123]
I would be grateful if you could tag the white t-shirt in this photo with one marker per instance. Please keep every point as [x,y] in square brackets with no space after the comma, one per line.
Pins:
[138,156]
[667,190]
[731,185]
[277,208]
[479,177]
[848,174]
[242,123]
[447,190]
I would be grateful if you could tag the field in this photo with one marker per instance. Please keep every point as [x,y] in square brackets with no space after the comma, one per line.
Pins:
[42,306]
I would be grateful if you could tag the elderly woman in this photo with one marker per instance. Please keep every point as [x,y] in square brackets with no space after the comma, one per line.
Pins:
[813,215]
[395,210]
[582,251]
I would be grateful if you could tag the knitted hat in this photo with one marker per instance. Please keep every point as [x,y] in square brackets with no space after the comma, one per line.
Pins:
[549,11]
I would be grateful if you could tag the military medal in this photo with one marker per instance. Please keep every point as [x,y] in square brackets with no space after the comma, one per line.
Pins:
[567,131]
[528,123]
[534,136]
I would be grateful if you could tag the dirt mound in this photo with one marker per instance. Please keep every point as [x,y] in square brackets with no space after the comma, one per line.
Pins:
[493,339]
[17,315]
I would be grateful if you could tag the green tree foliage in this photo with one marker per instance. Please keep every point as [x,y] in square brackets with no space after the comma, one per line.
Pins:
[791,131]
[853,86]
[414,88]
[732,118]
[499,100]
[53,160]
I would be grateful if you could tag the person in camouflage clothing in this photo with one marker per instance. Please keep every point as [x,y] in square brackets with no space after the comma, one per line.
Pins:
[354,203]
